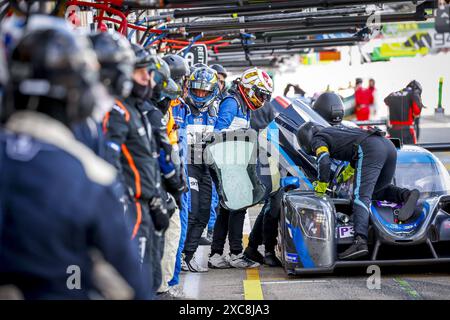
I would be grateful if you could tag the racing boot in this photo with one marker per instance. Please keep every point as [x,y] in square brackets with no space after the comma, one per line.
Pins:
[193,266]
[217,261]
[271,259]
[253,254]
[240,261]
[409,205]
[357,250]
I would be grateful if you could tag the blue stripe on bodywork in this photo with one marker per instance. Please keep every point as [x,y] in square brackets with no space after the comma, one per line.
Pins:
[406,227]
[301,247]
[275,141]
[414,157]
[358,179]
[318,163]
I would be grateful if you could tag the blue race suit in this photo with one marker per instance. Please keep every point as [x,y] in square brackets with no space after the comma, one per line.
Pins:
[180,113]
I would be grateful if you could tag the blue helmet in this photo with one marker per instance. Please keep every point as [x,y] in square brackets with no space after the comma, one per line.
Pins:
[203,88]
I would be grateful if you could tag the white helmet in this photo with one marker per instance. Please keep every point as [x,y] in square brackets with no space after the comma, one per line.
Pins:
[257,86]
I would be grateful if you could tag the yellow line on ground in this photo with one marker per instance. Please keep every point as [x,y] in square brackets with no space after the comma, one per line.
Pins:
[252,285]
[447,166]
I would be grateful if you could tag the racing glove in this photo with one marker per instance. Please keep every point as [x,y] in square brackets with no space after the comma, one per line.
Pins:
[320,187]
[159,214]
[346,174]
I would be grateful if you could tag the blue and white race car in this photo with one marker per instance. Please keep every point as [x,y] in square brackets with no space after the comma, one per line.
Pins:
[248,167]
[313,228]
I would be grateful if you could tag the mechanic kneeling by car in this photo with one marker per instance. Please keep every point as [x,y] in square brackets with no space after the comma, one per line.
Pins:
[372,158]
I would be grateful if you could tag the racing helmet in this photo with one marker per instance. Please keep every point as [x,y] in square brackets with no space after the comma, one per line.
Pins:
[143,57]
[200,65]
[56,72]
[116,60]
[256,87]
[330,106]
[203,88]
[179,68]
[161,76]
[170,92]
[305,135]
[220,69]
[415,86]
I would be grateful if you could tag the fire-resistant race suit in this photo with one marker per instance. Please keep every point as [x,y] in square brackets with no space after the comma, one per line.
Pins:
[404,106]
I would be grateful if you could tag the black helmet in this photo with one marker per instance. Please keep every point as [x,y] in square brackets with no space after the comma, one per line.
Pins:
[415,86]
[161,70]
[161,76]
[143,57]
[117,61]
[220,69]
[200,65]
[330,106]
[179,68]
[170,92]
[55,72]
[305,135]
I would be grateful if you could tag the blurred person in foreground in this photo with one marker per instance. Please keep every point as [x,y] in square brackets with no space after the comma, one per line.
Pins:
[61,224]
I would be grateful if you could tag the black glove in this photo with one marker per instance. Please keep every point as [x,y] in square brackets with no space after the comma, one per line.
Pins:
[159,214]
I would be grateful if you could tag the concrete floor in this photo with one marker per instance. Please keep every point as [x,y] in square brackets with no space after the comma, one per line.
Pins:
[273,283]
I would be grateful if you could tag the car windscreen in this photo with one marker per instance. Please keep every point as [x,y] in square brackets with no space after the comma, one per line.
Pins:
[430,177]
[308,114]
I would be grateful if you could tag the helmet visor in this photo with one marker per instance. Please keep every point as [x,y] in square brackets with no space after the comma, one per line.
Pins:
[262,94]
[202,85]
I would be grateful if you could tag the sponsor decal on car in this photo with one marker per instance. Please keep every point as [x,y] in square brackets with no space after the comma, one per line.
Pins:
[291,257]
[346,232]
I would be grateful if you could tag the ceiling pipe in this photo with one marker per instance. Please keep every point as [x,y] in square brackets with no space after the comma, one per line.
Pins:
[306,22]
[179,13]
[307,32]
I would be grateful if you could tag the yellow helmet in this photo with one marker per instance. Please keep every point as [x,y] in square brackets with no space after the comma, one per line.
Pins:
[257,87]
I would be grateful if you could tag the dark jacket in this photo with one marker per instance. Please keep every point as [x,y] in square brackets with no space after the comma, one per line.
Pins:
[261,117]
[336,142]
[404,106]
[56,206]
[131,149]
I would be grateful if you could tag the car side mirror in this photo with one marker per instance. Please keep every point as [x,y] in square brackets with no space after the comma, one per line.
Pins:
[289,183]
[397,143]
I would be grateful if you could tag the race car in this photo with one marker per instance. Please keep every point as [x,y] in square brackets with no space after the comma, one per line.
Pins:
[313,228]
[248,167]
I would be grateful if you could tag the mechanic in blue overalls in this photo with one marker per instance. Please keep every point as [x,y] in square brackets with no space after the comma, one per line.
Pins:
[58,210]
[247,94]
[202,93]
[180,112]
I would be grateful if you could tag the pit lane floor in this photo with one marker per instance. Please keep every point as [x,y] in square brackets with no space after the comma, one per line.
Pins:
[401,283]
[273,284]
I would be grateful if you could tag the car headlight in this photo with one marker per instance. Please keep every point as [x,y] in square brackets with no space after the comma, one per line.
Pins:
[313,219]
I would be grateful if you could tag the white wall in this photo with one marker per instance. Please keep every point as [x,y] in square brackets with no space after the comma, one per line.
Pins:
[389,76]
